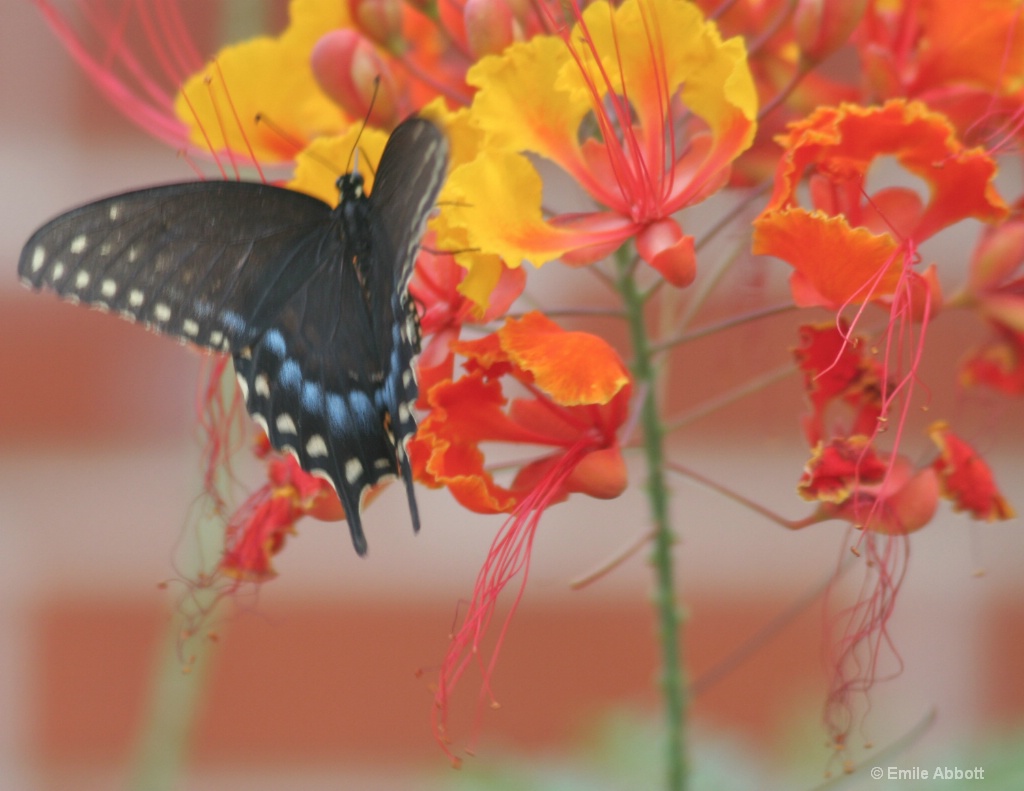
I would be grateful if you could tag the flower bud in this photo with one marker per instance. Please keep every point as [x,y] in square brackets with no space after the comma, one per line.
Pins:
[601,474]
[490,26]
[998,255]
[664,246]
[347,66]
[380,21]
[823,26]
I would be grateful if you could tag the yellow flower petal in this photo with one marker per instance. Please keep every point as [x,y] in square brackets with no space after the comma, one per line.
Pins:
[657,46]
[269,77]
[495,208]
[519,108]
[318,166]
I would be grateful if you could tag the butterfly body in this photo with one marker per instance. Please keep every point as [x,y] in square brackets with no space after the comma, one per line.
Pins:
[311,301]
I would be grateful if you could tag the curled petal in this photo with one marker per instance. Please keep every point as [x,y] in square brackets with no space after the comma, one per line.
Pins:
[445,452]
[842,143]
[837,469]
[574,368]
[967,479]
[835,264]
[663,245]
[349,70]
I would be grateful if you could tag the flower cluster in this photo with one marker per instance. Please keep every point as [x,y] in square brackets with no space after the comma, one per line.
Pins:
[579,133]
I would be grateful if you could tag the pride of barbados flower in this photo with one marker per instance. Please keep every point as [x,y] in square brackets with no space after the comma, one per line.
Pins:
[851,247]
[574,399]
[578,132]
[643,106]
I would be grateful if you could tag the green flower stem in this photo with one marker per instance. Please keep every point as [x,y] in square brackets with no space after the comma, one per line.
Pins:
[181,666]
[673,683]
[176,697]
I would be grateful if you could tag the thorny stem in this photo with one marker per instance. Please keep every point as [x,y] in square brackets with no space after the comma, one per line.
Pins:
[673,684]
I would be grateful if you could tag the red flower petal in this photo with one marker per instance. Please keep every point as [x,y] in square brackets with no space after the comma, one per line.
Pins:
[967,479]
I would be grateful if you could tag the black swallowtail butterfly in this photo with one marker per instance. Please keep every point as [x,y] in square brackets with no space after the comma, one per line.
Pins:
[311,302]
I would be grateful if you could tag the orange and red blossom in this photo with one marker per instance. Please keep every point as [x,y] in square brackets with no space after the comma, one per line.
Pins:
[875,492]
[257,531]
[966,478]
[438,287]
[608,102]
[577,397]
[964,59]
[835,370]
[995,289]
[852,247]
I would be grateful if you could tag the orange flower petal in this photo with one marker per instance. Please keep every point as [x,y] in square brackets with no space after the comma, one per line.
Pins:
[841,143]
[664,246]
[835,264]
[573,368]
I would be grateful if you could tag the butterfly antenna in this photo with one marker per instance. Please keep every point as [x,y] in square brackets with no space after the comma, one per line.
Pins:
[362,126]
[294,142]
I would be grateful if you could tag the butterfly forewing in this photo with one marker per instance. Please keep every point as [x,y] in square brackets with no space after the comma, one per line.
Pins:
[312,302]
[209,262]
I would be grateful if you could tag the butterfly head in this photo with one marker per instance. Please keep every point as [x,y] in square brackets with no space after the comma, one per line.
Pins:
[350,187]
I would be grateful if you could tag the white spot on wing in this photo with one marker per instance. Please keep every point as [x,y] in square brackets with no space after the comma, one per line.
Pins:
[285,424]
[161,312]
[190,327]
[136,298]
[108,288]
[79,243]
[81,279]
[58,272]
[316,447]
[115,211]
[263,386]
[243,385]
[38,258]
[216,337]
[262,423]
[353,470]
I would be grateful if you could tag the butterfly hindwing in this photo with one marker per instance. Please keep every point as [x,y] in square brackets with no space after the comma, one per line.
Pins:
[310,381]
